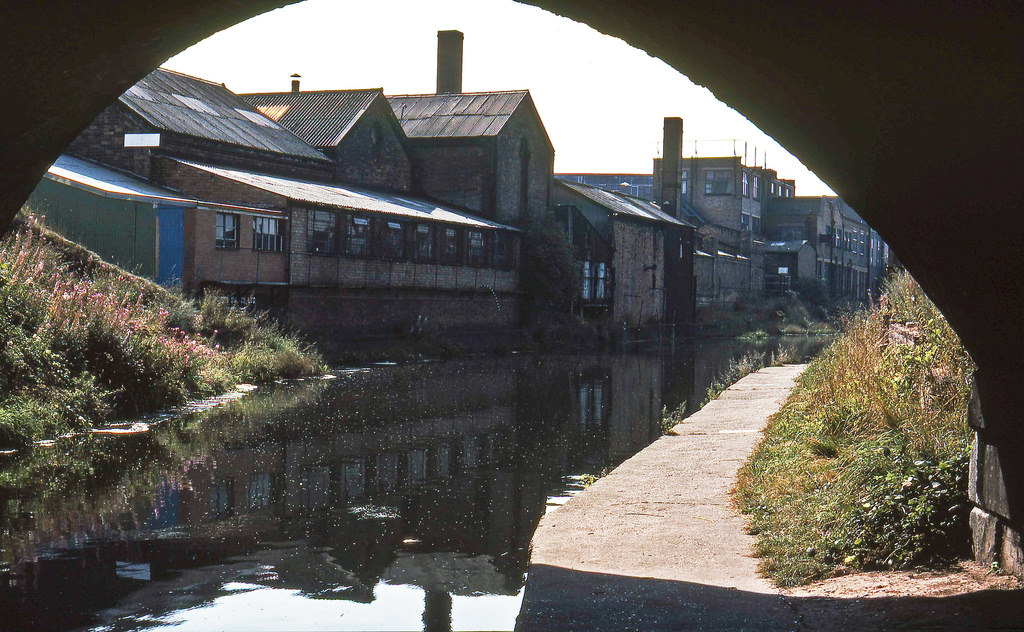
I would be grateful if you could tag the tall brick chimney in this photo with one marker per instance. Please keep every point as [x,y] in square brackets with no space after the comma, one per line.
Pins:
[671,184]
[449,62]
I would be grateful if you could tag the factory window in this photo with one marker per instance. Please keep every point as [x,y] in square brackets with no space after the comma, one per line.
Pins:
[323,231]
[358,233]
[499,251]
[746,185]
[450,246]
[476,251]
[227,230]
[718,182]
[267,234]
[391,243]
[744,221]
[423,243]
[757,187]
[684,176]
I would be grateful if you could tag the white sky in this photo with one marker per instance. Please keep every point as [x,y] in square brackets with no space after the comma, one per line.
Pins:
[601,100]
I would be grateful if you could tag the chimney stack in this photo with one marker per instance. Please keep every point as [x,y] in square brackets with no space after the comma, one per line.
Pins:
[295,82]
[671,166]
[449,62]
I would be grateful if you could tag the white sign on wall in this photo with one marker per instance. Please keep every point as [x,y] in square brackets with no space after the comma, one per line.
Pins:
[142,140]
[783,270]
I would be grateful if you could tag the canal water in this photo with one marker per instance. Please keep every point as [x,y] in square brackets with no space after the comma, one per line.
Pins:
[386,498]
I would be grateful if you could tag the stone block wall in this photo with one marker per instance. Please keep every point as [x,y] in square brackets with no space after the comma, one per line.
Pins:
[995,489]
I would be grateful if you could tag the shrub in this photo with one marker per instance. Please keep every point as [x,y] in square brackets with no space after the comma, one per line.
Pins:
[81,339]
[865,461]
[549,279]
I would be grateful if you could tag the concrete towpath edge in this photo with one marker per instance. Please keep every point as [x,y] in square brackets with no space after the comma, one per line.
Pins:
[657,544]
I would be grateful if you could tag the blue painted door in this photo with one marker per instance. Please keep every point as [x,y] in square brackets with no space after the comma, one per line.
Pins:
[170,246]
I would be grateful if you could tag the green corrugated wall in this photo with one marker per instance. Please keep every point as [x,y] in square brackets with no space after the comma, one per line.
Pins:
[120,231]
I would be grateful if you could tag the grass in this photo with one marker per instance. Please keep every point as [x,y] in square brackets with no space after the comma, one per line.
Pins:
[865,466]
[82,341]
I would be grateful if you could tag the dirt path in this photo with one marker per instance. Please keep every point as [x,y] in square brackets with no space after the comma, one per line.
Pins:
[967,597]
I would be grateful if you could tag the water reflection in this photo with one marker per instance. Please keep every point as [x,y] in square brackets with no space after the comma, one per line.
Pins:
[398,497]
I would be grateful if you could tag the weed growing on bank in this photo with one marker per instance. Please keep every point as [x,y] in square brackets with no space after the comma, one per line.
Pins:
[866,464]
[82,340]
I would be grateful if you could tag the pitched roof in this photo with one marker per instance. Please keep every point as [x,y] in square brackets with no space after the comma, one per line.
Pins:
[181,104]
[349,197]
[321,118]
[618,202]
[456,115]
[101,180]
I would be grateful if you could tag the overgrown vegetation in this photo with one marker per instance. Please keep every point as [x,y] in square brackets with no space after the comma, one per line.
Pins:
[806,310]
[736,371]
[82,340]
[549,279]
[865,466]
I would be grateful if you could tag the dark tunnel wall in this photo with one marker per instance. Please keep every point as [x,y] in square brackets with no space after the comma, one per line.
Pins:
[911,112]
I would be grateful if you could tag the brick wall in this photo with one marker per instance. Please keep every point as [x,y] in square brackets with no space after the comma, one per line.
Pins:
[208,187]
[382,163]
[103,140]
[639,292]
[231,265]
[523,126]
[723,279]
[327,313]
[458,174]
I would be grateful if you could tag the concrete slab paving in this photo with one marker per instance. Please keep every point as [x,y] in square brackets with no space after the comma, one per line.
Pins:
[657,544]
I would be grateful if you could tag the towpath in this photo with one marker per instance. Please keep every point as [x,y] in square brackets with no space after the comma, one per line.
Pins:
[657,544]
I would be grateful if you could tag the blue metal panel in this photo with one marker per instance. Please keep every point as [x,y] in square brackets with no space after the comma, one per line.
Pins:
[170,246]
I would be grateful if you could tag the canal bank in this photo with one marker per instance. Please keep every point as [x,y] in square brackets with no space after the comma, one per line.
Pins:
[657,544]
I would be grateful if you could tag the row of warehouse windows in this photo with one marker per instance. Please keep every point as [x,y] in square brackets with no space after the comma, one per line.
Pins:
[331,233]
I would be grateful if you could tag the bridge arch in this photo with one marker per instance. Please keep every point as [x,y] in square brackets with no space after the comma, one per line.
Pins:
[912,113]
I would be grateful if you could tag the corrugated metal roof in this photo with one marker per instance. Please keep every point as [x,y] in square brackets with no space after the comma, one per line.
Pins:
[110,183]
[322,118]
[186,105]
[617,202]
[347,197]
[785,246]
[455,115]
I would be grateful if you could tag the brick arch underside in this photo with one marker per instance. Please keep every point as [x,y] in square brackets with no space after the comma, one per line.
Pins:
[913,115]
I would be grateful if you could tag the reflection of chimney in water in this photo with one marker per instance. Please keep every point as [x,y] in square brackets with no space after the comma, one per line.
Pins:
[295,82]
[449,62]
[671,163]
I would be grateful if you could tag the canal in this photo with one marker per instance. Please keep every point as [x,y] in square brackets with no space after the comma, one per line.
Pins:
[385,498]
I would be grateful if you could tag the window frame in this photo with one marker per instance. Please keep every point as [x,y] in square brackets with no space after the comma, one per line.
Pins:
[220,230]
[418,244]
[746,184]
[449,235]
[714,176]
[472,259]
[351,224]
[390,239]
[261,240]
[330,244]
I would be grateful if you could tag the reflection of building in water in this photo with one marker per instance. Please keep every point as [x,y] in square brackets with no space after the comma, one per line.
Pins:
[444,494]
[618,408]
